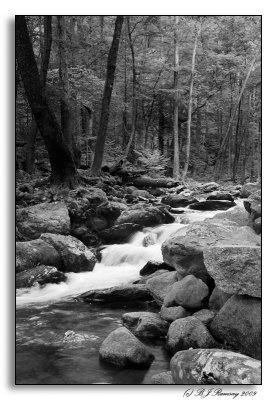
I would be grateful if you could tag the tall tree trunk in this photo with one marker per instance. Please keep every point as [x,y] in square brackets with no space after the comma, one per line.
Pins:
[187,151]
[105,108]
[161,124]
[63,170]
[176,159]
[45,58]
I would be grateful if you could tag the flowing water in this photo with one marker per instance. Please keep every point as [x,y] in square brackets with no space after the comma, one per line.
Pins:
[58,338]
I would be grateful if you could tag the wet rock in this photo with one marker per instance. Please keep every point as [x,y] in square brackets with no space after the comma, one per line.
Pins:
[123,349]
[220,196]
[184,249]
[35,252]
[159,286]
[110,211]
[217,299]
[75,256]
[253,205]
[206,316]
[153,266]
[188,332]
[236,214]
[45,217]
[249,188]
[143,194]
[178,200]
[238,323]
[127,292]
[214,367]
[149,240]
[170,314]
[145,278]
[209,187]
[257,225]
[119,233]
[163,378]
[235,269]
[41,275]
[145,216]
[209,205]
[145,324]
[189,293]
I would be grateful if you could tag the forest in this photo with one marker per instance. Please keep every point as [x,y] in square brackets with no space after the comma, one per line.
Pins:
[138,199]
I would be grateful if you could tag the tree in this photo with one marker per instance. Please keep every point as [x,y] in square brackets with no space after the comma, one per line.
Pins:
[176,171]
[105,108]
[63,170]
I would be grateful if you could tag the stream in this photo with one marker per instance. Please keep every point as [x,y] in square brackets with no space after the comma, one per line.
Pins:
[58,338]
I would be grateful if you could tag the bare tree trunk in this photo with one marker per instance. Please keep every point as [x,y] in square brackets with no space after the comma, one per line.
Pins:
[105,108]
[62,164]
[187,152]
[176,158]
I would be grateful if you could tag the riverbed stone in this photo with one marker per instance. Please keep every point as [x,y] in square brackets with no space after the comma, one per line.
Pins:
[160,285]
[253,205]
[128,292]
[35,252]
[170,314]
[145,324]
[214,367]
[152,266]
[236,214]
[44,217]
[118,233]
[163,378]
[249,188]
[210,205]
[217,299]
[145,278]
[235,269]
[220,196]
[178,200]
[123,349]
[188,332]
[206,316]
[189,293]
[145,215]
[41,274]
[238,323]
[75,256]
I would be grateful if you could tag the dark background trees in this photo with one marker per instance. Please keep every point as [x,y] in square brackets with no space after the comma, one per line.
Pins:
[224,129]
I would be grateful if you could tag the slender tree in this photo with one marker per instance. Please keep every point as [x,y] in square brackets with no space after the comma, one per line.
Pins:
[176,160]
[63,170]
[105,108]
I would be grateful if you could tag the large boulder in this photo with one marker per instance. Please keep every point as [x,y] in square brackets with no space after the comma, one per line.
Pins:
[257,225]
[210,205]
[45,217]
[35,252]
[170,314]
[235,269]
[160,285]
[217,299]
[184,249]
[123,349]
[249,188]
[214,367]
[42,274]
[253,205]
[208,187]
[236,214]
[153,266]
[75,256]
[145,324]
[178,200]
[145,216]
[163,378]
[238,323]
[119,233]
[120,293]
[188,332]
[189,293]
[220,196]
[145,278]
[206,316]
[142,194]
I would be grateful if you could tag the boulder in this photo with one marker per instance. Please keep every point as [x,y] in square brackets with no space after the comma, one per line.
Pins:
[145,216]
[41,275]
[188,332]
[119,233]
[170,314]
[236,214]
[75,256]
[145,278]
[143,194]
[209,187]
[35,252]
[149,240]
[214,367]
[123,349]
[249,188]
[189,293]
[178,200]
[110,211]
[235,269]
[257,225]
[120,293]
[217,299]
[253,205]
[210,205]
[184,249]
[45,217]
[220,196]
[163,378]
[159,286]
[145,324]
[206,316]
[153,266]
[238,324]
